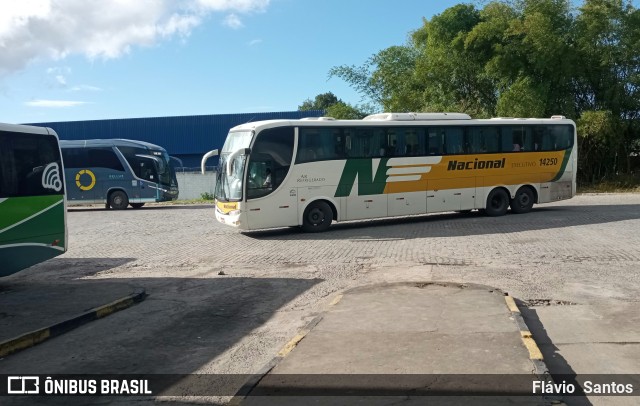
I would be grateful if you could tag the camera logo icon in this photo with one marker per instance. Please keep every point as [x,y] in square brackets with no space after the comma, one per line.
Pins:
[23,385]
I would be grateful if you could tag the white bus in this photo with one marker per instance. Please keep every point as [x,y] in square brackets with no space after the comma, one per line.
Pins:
[311,172]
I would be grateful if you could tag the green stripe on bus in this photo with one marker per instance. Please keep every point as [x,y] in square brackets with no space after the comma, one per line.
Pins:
[44,228]
[362,170]
[565,161]
[16,209]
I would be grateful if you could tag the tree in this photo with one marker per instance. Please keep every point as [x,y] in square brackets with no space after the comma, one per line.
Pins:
[334,107]
[599,144]
[321,102]
[608,39]
[344,111]
[453,74]
[386,80]
[522,58]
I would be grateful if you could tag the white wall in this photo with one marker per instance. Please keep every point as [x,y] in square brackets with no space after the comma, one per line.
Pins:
[193,184]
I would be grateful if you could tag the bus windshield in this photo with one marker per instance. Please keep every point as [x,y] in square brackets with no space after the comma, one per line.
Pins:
[166,173]
[237,140]
[229,186]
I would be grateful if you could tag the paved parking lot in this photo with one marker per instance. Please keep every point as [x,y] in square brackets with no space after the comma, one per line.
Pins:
[221,301]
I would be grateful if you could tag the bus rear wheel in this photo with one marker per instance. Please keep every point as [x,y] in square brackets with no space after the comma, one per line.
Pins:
[118,200]
[523,202]
[136,205]
[317,217]
[497,203]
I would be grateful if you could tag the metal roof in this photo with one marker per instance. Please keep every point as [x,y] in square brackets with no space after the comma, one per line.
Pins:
[180,135]
[118,142]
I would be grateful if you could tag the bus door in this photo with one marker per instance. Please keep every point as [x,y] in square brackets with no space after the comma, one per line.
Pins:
[148,188]
[269,202]
[268,205]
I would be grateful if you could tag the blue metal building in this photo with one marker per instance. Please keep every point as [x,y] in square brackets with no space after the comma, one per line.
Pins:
[185,137]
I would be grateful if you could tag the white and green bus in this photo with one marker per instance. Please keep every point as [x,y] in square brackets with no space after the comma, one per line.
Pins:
[32,197]
[311,172]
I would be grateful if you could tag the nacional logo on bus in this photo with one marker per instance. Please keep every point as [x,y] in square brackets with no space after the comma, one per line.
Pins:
[475,164]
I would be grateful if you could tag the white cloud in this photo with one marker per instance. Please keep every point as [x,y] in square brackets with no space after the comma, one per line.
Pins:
[54,29]
[54,103]
[85,88]
[255,42]
[61,80]
[242,6]
[232,21]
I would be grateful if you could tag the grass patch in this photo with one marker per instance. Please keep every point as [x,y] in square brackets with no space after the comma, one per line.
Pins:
[618,184]
[188,201]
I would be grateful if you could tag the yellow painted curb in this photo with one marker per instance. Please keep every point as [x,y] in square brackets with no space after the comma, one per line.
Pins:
[32,338]
[291,344]
[527,338]
[335,300]
[511,304]
[113,307]
[24,341]
[529,342]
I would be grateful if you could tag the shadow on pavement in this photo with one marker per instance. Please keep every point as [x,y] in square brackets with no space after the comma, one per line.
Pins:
[555,362]
[180,328]
[447,224]
[145,208]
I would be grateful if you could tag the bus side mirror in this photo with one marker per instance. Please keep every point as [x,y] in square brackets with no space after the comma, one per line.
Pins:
[232,157]
[205,157]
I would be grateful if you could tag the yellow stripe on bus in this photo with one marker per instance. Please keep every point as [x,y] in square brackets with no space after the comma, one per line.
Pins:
[468,171]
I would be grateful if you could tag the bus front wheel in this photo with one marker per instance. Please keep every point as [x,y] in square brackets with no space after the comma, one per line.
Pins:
[497,203]
[136,205]
[523,201]
[118,200]
[317,217]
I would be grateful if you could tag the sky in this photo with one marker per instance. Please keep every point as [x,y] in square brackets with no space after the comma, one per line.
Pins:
[68,60]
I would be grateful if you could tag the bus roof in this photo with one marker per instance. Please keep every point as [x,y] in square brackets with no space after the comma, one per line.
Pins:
[400,119]
[31,129]
[117,142]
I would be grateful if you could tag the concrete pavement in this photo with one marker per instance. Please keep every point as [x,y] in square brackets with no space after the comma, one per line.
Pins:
[403,342]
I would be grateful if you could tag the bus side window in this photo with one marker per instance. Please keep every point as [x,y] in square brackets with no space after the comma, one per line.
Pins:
[454,140]
[435,142]
[507,139]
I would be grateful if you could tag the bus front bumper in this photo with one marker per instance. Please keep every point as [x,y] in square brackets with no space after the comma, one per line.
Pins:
[230,214]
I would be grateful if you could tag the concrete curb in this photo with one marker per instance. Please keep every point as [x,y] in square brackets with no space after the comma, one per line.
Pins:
[252,382]
[535,355]
[32,338]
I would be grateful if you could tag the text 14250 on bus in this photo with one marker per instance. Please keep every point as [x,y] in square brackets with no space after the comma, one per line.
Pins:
[118,173]
[32,205]
[310,172]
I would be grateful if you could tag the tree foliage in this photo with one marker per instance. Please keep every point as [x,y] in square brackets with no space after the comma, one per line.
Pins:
[321,102]
[522,58]
[334,107]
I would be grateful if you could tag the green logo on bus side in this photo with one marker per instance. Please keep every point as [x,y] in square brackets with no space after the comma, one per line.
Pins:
[363,170]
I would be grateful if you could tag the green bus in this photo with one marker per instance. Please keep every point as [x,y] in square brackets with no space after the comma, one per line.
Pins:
[32,197]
